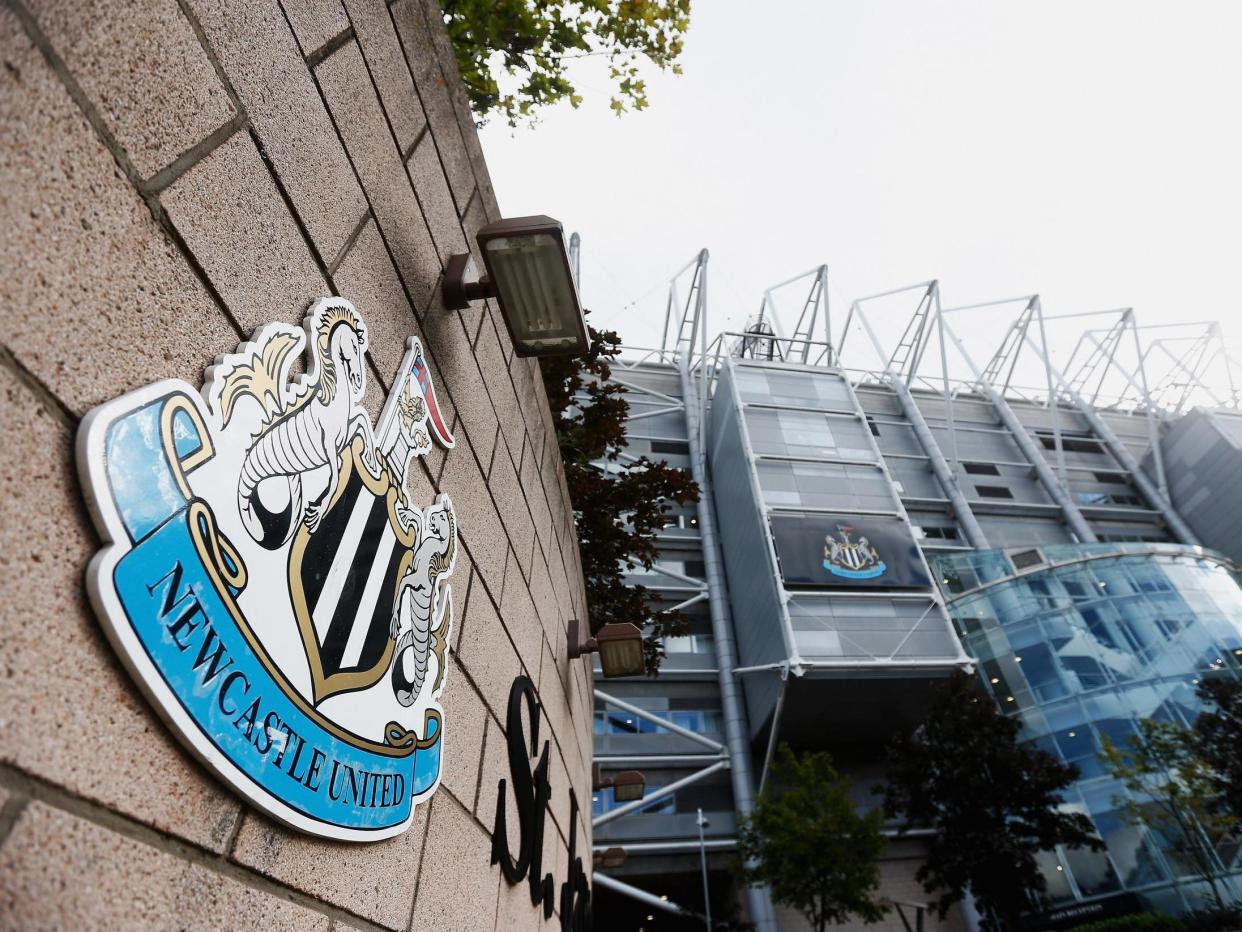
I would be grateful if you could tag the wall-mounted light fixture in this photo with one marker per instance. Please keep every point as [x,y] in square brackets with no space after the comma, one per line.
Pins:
[619,645]
[613,857]
[627,786]
[529,275]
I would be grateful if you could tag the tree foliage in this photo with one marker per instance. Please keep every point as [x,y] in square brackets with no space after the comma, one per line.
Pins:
[620,507]
[1219,743]
[810,846]
[992,803]
[533,42]
[1172,789]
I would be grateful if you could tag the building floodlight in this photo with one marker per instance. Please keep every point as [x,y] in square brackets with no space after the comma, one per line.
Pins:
[627,786]
[612,857]
[530,276]
[619,645]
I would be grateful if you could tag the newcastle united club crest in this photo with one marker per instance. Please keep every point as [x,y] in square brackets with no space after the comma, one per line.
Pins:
[268,579]
[851,559]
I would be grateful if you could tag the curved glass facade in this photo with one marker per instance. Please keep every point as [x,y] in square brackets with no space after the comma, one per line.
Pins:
[1082,643]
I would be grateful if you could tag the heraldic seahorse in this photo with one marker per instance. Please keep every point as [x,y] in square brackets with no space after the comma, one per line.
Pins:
[309,433]
[417,633]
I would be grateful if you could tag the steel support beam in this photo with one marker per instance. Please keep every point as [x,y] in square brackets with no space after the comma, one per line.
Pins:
[1059,494]
[736,728]
[1122,454]
[664,723]
[650,899]
[927,440]
[655,795]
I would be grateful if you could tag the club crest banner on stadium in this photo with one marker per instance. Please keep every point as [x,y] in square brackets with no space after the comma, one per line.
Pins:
[268,580]
[829,551]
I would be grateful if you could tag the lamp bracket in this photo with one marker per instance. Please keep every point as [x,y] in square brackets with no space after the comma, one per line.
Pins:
[462,283]
[576,647]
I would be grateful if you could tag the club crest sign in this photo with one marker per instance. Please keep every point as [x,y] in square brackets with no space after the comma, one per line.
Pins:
[851,559]
[268,579]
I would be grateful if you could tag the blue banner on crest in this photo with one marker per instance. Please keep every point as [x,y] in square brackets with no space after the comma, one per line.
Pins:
[179,585]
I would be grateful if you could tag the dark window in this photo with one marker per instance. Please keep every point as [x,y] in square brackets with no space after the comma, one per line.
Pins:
[1118,478]
[696,568]
[875,428]
[940,533]
[993,491]
[1024,559]
[981,469]
[675,447]
[1071,444]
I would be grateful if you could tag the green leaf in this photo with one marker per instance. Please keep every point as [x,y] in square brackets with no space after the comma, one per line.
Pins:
[535,39]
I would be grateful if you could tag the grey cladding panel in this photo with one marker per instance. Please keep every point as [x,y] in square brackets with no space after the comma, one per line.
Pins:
[754,594]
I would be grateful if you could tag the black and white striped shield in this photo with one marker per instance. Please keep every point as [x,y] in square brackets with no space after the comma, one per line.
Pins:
[344,579]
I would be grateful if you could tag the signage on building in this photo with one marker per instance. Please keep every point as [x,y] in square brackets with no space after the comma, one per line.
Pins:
[833,550]
[531,795]
[1070,915]
[268,580]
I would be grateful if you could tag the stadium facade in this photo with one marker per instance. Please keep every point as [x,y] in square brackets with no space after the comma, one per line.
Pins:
[883,505]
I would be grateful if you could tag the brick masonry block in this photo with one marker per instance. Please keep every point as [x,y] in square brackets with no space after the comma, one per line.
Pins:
[457,887]
[49,634]
[502,333]
[517,611]
[481,530]
[495,767]
[81,248]
[544,596]
[374,880]
[437,201]
[507,490]
[382,50]
[231,216]
[142,68]
[465,721]
[287,112]
[461,106]
[373,151]
[316,22]
[486,653]
[64,872]
[536,499]
[500,389]
[420,53]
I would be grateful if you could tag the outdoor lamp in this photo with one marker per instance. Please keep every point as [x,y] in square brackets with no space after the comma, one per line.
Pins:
[619,645]
[627,786]
[529,275]
[613,857]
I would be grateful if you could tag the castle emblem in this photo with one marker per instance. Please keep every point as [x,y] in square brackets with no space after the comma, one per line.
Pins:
[269,579]
[852,559]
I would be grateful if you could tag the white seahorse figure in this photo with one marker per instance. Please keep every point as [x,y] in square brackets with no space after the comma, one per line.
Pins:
[310,432]
[422,610]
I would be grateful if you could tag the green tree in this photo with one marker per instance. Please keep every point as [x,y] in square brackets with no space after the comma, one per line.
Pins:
[1219,741]
[992,803]
[620,507]
[806,842]
[533,41]
[1173,790]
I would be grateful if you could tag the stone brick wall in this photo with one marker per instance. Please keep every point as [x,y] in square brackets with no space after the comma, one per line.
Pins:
[174,173]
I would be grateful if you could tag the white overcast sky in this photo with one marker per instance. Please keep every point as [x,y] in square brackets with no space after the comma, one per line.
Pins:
[1088,151]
